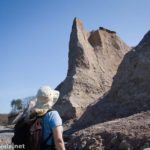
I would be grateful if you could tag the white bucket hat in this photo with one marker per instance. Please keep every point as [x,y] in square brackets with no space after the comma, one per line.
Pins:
[46,98]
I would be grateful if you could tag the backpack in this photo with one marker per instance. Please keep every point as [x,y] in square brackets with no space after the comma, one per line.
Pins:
[29,134]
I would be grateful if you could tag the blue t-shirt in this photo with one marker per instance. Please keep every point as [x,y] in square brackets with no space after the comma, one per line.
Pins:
[51,120]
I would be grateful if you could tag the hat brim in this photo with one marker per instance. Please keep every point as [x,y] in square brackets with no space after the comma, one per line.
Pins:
[50,101]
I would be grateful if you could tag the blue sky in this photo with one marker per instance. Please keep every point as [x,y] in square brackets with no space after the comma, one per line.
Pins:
[34,38]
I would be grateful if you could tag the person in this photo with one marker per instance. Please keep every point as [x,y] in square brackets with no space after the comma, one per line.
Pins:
[51,122]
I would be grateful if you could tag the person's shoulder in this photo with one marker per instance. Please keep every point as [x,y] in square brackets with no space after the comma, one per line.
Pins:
[54,118]
[53,113]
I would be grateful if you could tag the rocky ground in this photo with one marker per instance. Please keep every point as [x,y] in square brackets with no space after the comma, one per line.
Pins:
[5,137]
[130,133]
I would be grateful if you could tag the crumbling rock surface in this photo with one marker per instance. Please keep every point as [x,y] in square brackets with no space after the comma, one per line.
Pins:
[129,93]
[128,99]
[93,61]
[131,133]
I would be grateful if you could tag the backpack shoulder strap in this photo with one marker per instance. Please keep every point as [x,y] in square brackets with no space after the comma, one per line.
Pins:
[50,110]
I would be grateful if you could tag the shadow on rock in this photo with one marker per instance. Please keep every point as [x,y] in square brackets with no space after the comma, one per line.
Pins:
[129,93]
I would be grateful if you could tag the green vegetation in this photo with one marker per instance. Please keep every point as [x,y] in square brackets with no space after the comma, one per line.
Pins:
[16,105]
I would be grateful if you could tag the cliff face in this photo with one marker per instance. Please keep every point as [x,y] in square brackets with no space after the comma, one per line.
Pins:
[129,93]
[121,118]
[94,58]
[131,84]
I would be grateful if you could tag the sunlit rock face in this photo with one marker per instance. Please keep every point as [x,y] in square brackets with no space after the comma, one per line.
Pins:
[94,58]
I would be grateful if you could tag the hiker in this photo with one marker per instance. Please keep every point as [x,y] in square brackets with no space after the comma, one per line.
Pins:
[40,127]
[51,122]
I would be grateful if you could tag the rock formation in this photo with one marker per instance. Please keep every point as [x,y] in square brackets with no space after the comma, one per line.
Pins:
[131,84]
[130,133]
[130,91]
[93,61]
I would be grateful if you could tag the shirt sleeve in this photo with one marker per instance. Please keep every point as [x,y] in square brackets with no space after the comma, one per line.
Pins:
[55,119]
